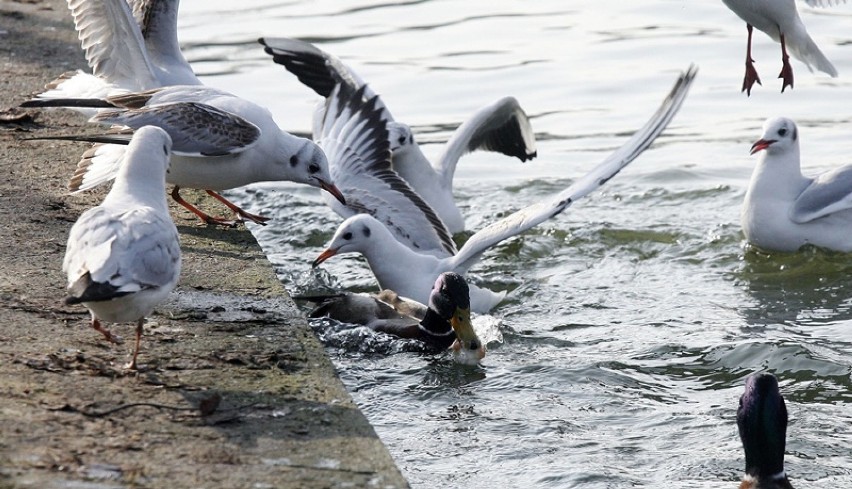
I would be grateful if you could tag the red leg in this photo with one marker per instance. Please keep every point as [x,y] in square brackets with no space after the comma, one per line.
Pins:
[751,76]
[237,210]
[96,325]
[132,364]
[786,69]
[206,218]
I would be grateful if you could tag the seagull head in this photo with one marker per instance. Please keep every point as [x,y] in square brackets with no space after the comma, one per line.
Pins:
[762,424]
[308,164]
[779,135]
[353,236]
[450,299]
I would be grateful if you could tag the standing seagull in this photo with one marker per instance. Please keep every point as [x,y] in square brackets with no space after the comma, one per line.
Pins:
[223,142]
[123,256]
[762,424]
[780,20]
[784,210]
[501,126]
[411,273]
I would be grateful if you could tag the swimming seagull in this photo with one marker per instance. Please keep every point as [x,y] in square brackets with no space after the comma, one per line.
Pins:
[501,126]
[780,20]
[784,210]
[411,274]
[443,324]
[762,424]
[223,142]
[123,256]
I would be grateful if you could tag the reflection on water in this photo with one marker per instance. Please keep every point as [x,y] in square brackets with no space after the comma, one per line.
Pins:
[633,318]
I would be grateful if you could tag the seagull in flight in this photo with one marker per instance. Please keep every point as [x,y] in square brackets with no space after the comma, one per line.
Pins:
[411,272]
[780,20]
[501,126]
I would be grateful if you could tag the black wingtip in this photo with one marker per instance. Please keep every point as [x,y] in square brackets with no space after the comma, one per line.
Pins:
[93,103]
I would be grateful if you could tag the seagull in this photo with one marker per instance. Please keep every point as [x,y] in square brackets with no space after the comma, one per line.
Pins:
[780,20]
[411,273]
[129,45]
[133,52]
[762,424]
[353,133]
[784,210]
[443,324]
[501,126]
[123,257]
[223,142]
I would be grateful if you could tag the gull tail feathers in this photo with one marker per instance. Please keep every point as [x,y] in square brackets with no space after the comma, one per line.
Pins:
[809,53]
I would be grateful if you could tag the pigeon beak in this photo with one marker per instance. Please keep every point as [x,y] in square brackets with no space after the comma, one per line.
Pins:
[325,255]
[760,145]
[467,348]
[333,190]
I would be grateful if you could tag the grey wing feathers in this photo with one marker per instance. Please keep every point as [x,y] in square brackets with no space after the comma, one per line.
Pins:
[537,213]
[355,138]
[131,250]
[824,3]
[195,128]
[830,192]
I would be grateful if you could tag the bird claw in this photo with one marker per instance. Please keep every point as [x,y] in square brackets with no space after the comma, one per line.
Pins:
[787,75]
[751,77]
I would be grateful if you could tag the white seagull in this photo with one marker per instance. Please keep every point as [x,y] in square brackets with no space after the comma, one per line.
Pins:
[411,273]
[129,48]
[123,256]
[501,126]
[225,142]
[784,210]
[780,20]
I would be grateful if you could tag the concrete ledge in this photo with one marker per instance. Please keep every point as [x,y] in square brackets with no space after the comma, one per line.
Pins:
[233,389]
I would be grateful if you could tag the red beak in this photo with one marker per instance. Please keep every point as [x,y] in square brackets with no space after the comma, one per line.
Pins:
[761,144]
[333,190]
[325,255]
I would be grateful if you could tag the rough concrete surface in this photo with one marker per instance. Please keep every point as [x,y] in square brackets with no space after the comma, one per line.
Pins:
[233,389]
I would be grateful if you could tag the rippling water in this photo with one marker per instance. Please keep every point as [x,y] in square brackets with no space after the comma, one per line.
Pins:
[634,317]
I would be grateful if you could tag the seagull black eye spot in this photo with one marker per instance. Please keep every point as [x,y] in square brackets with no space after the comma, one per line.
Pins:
[165,150]
[294,160]
[313,168]
[782,132]
[347,236]
[366,232]
[401,140]
[411,138]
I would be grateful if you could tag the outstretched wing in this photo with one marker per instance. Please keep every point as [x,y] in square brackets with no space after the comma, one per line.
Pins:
[829,193]
[535,214]
[502,127]
[157,20]
[113,43]
[354,136]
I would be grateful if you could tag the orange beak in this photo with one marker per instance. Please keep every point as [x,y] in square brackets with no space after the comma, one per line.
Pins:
[333,190]
[325,255]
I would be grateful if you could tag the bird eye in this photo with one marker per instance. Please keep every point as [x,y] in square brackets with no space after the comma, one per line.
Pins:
[474,345]
[401,140]
[294,160]
[782,132]
[347,236]
[313,168]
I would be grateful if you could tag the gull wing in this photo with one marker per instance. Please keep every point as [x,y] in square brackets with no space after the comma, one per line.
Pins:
[113,43]
[535,214]
[502,127]
[195,128]
[122,250]
[824,3]
[157,20]
[828,193]
[354,136]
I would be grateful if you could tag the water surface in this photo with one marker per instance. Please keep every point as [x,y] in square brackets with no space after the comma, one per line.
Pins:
[633,318]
